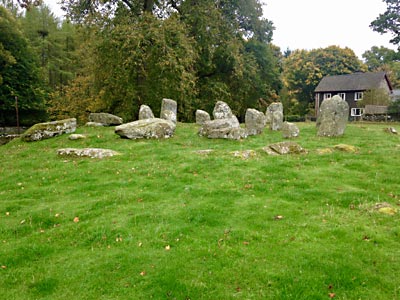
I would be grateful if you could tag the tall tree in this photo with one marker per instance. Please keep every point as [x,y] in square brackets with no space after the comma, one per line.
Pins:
[203,50]
[19,73]
[384,59]
[389,21]
[231,38]
[53,43]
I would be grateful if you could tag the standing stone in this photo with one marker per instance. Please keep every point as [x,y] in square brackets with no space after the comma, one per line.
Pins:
[169,110]
[145,112]
[202,117]
[255,121]
[148,128]
[273,107]
[168,115]
[333,116]
[222,111]
[276,120]
[105,119]
[290,130]
[48,130]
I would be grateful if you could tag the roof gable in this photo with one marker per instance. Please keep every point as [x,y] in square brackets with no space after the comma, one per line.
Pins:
[352,82]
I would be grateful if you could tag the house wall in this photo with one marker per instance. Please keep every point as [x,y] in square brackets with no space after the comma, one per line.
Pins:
[349,98]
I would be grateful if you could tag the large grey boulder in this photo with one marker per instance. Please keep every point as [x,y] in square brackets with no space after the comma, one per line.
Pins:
[145,112]
[105,118]
[228,128]
[169,110]
[87,152]
[222,111]
[224,126]
[202,117]
[273,107]
[255,121]
[228,133]
[231,122]
[333,117]
[148,128]
[290,130]
[48,130]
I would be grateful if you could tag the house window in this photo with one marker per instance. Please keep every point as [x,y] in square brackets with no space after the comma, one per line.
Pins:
[342,95]
[356,112]
[327,96]
[358,96]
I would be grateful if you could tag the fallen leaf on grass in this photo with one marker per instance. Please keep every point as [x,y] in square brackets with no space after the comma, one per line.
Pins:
[366,238]
[140,244]
[246,243]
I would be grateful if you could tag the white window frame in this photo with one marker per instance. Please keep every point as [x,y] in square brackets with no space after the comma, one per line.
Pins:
[342,95]
[327,96]
[358,96]
[357,112]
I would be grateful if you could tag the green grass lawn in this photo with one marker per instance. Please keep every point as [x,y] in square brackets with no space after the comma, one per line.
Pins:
[161,221]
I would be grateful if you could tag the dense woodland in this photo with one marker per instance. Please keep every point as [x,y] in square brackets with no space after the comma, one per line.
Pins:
[115,55]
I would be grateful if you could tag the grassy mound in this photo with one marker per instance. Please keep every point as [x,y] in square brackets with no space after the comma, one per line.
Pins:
[166,220]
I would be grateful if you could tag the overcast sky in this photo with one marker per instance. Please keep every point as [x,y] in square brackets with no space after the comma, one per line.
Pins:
[311,24]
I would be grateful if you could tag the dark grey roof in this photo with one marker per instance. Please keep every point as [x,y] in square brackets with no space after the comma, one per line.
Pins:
[352,82]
